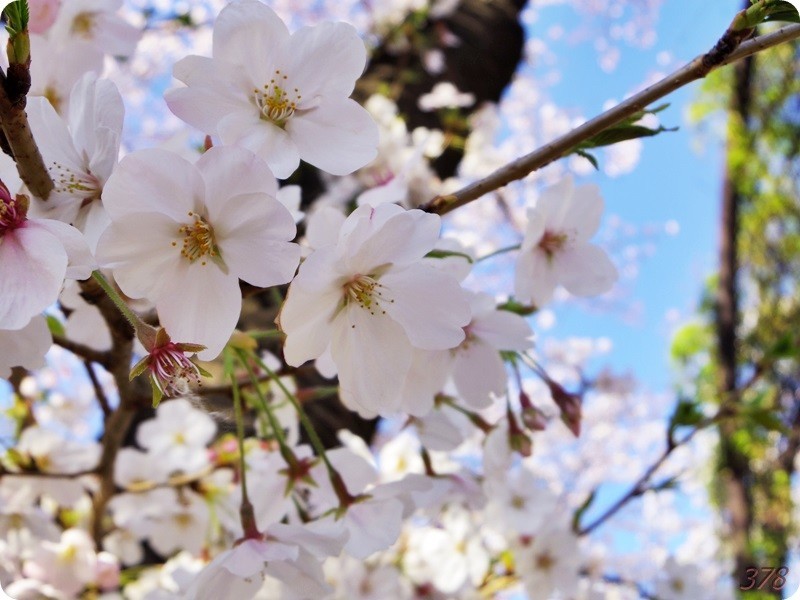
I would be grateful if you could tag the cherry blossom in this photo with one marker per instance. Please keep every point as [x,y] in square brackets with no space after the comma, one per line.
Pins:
[556,250]
[24,347]
[43,14]
[372,299]
[208,225]
[96,24]
[35,257]
[81,153]
[285,97]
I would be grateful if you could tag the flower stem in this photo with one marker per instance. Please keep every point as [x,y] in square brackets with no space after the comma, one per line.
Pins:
[499,251]
[286,450]
[123,308]
[313,436]
[246,512]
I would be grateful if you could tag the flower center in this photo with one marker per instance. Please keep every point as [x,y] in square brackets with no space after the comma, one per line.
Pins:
[275,102]
[544,562]
[171,369]
[552,242]
[366,292]
[198,240]
[13,211]
[84,186]
[83,24]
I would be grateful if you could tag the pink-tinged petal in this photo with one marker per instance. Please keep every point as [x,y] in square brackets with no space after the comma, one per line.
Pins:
[373,525]
[140,262]
[311,303]
[403,239]
[263,138]
[426,378]
[477,372]
[339,136]
[106,153]
[33,263]
[257,249]
[534,230]
[154,180]
[24,347]
[323,226]
[249,34]
[200,304]
[252,215]
[373,356]
[583,213]
[554,202]
[534,278]
[503,330]
[116,36]
[586,270]
[325,60]
[94,104]
[429,304]
[81,263]
[362,223]
[52,136]
[229,171]
[209,96]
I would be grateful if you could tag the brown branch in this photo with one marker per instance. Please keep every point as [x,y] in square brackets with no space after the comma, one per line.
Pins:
[18,135]
[98,390]
[640,487]
[81,350]
[523,166]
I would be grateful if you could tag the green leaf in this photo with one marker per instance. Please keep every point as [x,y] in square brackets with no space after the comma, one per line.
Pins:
[588,157]
[765,418]
[782,11]
[17,17]
[784,347]
[517,308]
[448,253]
[687,412]
[576,518]
[690,340]
[55,326]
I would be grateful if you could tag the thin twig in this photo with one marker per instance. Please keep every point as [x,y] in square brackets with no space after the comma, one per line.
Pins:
[99,393]
[81,350]
[523,166]
[640,486]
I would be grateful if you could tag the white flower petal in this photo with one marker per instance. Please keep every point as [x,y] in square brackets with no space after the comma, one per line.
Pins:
[339,136]
[33,263]
[200,304]
[429,304]
[325,60]
[373,357]
[586,270]
[153,180]
[477,372]
[229,171]
[311,303]
[534,278]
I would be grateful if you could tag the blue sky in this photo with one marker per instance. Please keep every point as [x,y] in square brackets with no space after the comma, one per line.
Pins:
[673,181]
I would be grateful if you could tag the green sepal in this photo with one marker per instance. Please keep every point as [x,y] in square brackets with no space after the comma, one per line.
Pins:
[448,253]
[55,326]
[157,395]
[139,368]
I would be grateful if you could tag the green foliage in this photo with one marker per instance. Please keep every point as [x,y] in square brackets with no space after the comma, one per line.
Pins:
[629,129]
[17,17]
[55,326]
[689,341]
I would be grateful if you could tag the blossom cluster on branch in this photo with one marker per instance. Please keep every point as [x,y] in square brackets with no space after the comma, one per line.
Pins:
[221,275]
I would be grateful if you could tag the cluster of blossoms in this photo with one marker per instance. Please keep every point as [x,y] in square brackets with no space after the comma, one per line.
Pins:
[374,295]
